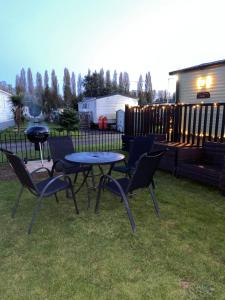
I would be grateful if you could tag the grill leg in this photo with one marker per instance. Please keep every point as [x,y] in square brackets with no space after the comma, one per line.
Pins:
[40,146]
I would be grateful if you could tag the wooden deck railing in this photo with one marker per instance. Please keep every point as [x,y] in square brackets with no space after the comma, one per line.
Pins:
[186,123]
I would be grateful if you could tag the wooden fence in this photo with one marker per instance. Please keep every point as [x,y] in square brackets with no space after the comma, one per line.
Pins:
[184,123]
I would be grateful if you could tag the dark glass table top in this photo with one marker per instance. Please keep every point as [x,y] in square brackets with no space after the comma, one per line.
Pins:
[98,158]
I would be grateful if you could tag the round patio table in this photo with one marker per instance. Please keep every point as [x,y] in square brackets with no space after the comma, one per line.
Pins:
[95,158]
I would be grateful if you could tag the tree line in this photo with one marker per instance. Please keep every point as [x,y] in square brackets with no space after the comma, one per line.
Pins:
[44,90]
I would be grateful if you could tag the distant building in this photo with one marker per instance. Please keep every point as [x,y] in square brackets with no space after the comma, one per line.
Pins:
[105,106]
[6,115]
[201,83]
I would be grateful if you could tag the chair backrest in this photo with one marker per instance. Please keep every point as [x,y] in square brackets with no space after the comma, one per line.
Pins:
[20,169]
[139,146]
[214,153]
[145,170]
[60,146]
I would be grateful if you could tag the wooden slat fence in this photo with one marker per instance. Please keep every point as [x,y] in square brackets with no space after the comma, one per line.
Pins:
[184,123]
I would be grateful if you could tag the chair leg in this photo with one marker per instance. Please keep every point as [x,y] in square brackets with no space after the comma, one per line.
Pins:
[75,178]
[35,213]
[99,195]
[88,195]
[56,198]
[74,200]
[93,178]
[156,207]
[153,184]
[17,202]
[131,219]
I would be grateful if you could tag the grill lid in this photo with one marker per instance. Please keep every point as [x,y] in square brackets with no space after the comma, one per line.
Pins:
[37,134]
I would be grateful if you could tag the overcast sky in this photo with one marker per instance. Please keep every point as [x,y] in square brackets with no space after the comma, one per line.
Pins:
[127,35]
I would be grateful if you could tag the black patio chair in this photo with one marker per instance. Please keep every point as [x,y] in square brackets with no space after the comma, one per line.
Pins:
[141,178]
[59,147]
[138,146]
[44,188]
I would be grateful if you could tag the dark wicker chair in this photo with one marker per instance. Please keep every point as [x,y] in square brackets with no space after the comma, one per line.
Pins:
[206,164]
[138,146]
[44,188]
[142,178]
[59,147]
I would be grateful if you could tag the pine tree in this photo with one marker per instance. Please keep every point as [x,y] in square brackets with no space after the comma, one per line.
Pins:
[140,90]
[114,82]
[30,83]
[67,94]
[148,88]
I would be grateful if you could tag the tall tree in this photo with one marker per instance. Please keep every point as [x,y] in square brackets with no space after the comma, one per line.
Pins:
[126,83]
[79,86]
[46,80]
[47,104]
[30,83]
[55,98]
[19,89]
[73,91]
[67,94]
[73,84]
[140,90]
[108,84]
[54,84]
[23,82]
[39,86]
[121,87]
[91,85]
[114,82]
[148,88]
[101,83]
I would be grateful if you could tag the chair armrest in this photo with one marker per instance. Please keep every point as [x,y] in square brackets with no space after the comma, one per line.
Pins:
[54,165]
[66,177]
[109,177]
[189,155]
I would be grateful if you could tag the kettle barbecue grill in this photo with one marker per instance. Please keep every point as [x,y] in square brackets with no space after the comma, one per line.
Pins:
[38,135]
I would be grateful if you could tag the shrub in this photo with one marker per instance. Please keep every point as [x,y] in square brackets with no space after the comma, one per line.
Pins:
[68,119]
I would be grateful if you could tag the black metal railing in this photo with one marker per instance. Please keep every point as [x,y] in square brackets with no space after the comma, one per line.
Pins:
[184,123]
[84,140]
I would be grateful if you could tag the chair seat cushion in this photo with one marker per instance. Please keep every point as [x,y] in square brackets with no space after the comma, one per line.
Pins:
[70,168]
[113,187]
[122,169]
[55,187]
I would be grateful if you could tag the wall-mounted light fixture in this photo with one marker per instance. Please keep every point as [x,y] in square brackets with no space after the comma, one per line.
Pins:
[204,82]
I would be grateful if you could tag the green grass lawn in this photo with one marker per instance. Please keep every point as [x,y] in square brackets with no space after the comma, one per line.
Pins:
[89,256]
